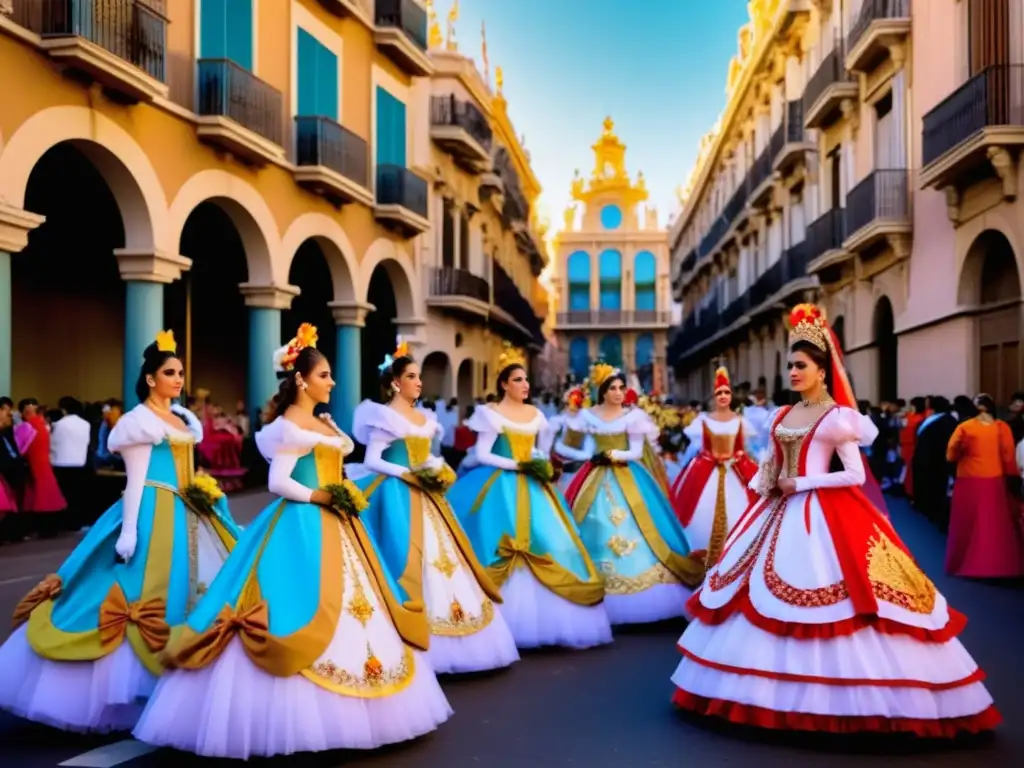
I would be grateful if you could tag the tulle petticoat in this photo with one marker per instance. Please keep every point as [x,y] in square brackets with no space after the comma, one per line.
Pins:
[87,696]
[657,603]
[493,647]
[539,617]
[234,709]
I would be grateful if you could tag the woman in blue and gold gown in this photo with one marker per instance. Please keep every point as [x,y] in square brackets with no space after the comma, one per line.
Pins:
[301,643]
[521,528]
[417,532]
[85,654]
[624,516]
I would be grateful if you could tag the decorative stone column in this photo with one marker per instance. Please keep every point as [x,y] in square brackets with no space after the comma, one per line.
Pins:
[265,303]
[145,273]
[15,224]
[349,317]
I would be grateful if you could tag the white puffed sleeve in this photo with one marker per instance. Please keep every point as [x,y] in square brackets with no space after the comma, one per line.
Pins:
[379,441]
[280,481]
[485,454]
[844,428]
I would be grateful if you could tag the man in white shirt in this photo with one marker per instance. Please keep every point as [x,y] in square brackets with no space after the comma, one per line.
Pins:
[70,437]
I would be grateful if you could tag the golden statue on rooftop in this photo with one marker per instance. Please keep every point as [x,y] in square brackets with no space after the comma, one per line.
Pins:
[434,39]
[499,79]
[453,15]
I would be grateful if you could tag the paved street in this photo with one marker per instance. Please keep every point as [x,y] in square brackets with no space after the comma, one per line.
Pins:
[606,707]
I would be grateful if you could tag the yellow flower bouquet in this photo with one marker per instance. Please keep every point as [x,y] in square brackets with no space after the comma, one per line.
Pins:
[203,493]
[347,498]
[439,480]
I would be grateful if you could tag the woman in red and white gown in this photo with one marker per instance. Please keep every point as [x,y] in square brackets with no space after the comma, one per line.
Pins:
[711,494]
[816,616]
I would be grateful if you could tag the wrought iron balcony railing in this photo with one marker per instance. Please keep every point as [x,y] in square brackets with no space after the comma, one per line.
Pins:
[876,10]
[508,297]
[831,71]
[794,262]
[826,233]
[795,122]
[994,96]
[228,90]
[620,317]
[408,16]
[883,194]
[321,141]
[132,30]
[452,281]
[400,186]
[449,110]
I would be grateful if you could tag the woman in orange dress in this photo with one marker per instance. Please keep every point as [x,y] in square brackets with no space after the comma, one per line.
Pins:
[984,529]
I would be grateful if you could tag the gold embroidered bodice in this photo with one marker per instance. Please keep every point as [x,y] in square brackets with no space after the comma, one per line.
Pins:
[617,441]
[520,445]
[184,455]
[418,449]
[572,438]
[329,464]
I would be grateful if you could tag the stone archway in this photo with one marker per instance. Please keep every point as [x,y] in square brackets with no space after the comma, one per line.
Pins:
[887,362]
[464,384]
[990,282]
[436,375]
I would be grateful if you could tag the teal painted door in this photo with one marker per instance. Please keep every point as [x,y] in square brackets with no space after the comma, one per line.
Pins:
[317,79]
[390,129]
[225,31]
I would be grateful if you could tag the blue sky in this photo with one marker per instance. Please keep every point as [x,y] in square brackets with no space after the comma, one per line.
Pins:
[660,73]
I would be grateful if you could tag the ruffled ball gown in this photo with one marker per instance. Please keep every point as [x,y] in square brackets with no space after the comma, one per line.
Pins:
[712,494]
[523,533]
[422,542]
[301,643]
[86,653]
[627,524]
[816,616]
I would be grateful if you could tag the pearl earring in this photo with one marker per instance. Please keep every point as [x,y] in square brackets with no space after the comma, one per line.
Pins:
[305,386]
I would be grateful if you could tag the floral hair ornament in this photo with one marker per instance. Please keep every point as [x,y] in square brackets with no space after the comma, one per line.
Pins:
[285,357]
[510,356]
[600,372]
[577,398]
[401,350]
[165,342]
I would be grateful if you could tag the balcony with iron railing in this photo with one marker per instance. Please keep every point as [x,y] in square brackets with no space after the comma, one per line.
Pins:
[458,291]
[121,44]
[238,111]
[986,112]
[331,160]
[461,129]
[827,88]
[795,144]
[880,25]
[401,200]
[525,327]
[401,34]
[877,208]
[613,318]
[759,179]
[825,237]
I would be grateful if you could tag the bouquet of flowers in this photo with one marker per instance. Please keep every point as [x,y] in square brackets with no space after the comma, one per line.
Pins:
[539,469]
[346,497]
[203,493]
[438,479]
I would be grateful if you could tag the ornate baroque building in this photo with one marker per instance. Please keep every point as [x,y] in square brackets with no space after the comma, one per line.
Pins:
[229,170]
[611,276]
[873,174]
[485,250]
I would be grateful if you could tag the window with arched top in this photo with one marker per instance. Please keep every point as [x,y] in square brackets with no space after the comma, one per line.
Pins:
[611,279]
[579,358]
[579,281]
[645,274]
[611,350]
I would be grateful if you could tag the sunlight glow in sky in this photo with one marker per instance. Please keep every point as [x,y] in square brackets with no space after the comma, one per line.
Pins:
[658,67]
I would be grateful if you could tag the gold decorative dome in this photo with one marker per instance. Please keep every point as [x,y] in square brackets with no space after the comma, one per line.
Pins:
[609,174]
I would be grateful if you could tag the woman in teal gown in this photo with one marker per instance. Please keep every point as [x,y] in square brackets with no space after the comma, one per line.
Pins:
[302,643]
[86,651]
[625,518]
[521,529]
[419,537]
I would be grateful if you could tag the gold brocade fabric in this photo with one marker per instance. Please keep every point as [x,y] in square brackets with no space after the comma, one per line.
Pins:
[896,578]
[722,446]
[720,522]
[184,455]
[418,449]
[687,570]
[611,442]
[573,439]
[520,445]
